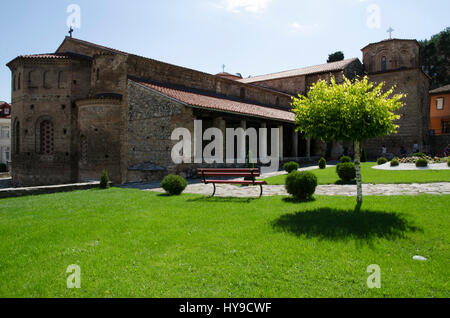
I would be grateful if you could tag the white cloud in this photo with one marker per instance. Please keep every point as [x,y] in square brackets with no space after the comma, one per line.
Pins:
[303,28]
[237,6]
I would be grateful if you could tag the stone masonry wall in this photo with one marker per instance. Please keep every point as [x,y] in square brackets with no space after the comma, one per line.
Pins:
[415,115]
[151,119]
[47,90]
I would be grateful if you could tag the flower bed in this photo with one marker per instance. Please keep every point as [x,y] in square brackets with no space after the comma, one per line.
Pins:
[414,159]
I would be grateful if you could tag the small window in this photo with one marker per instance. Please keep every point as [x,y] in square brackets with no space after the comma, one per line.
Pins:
[242,93]
[14,83]
[6,111]
[19,81]
[4,133]
[17,138]
[98,74]
[440,103]
[47,136]
[83,146]
[7,155]
[446,127]
[383,63]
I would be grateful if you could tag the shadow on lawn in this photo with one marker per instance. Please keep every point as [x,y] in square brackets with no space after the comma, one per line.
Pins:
[222,199]
[339,224]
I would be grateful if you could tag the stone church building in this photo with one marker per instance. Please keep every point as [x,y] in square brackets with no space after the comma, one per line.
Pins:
[87,107]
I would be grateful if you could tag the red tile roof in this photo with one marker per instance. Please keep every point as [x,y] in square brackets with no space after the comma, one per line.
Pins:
[203,100]
[323,68]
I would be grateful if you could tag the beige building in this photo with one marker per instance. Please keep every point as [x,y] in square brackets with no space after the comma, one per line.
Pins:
[5,132]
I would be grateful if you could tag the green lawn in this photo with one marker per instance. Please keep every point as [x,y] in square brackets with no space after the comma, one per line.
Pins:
[131,243]
[369,175]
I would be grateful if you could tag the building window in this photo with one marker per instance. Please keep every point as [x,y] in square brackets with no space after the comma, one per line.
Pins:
[19,81]
[383,63]
[6,110]
[7,155]
[440,103]
[446,127]
[17,138]
[83,149]
[47,137]
[98,74]
[14,83]
[242,93]
[4,133]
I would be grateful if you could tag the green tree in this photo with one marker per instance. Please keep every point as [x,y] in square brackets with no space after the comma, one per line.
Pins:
[336,56]
[349,112]
[435,58]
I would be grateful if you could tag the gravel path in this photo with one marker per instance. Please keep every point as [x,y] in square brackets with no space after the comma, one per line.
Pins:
[227,190]
[412,166]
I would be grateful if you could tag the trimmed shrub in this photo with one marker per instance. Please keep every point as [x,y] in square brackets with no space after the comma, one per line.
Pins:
[448,162]
[421,163]
[346,171]
[3,167]
[104,180]
[173,184]
[345,159]
[381,161]
[301,185]
[291,166]
[419,154]
[363,155]
[322,163]
[395,162]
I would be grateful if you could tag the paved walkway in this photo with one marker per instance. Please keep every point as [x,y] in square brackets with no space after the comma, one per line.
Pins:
[228,190]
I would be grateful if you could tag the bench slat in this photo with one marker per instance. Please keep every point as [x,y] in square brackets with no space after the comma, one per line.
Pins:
[229,174]
[199,170]
[236,182]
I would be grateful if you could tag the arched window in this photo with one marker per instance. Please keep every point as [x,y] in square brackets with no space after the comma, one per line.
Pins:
[47,137]
[83,148]
[17,138]
[383,63]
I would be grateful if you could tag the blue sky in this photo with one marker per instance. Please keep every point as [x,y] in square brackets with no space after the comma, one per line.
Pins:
[252,37]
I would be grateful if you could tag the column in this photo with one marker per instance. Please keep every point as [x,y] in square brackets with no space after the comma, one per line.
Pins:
[263,141]
[280,141]
[295,142]
[243,141]
[220,123]
[308,147]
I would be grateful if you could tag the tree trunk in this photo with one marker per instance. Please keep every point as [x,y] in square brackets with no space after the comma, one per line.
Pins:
[358,172]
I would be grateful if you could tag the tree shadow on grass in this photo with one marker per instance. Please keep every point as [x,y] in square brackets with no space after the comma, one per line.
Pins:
[222,199]
[339,224]
[296,201]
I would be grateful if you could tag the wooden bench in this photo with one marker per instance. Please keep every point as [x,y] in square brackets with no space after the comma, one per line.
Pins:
[251,173]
